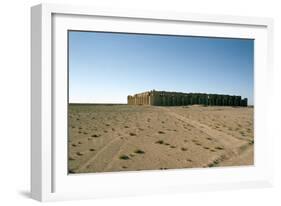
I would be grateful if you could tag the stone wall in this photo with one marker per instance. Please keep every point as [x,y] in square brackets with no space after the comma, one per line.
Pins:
[163,98]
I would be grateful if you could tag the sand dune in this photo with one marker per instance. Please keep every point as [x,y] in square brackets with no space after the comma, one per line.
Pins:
[106,138]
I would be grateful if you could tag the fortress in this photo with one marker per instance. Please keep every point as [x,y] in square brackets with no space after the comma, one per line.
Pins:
[164,98]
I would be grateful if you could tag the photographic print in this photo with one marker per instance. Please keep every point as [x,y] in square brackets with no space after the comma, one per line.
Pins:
[157,102]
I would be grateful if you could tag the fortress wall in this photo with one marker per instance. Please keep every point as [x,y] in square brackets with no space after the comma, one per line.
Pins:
[224,100]
[202,99]
[176,100]
[154,100]
[182,99]
[157,99]
[231,101]
[244,102]
[162,98]
[238,101]
[170,100]
[188,99]
[151,99]
[211,99]
[146,99]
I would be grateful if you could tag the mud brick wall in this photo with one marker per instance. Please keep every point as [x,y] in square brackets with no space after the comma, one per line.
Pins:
[164,98]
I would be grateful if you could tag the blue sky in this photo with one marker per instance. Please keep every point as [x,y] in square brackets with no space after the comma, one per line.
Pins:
[106,67]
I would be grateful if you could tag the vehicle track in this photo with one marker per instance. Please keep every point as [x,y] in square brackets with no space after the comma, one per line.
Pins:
[231,144]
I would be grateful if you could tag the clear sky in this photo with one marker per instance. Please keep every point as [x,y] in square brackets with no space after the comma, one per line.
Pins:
[106,67]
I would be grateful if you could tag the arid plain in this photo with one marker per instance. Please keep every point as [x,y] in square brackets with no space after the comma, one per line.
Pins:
[107,138]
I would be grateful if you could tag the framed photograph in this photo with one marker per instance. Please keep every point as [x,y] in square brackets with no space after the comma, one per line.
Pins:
[138,102]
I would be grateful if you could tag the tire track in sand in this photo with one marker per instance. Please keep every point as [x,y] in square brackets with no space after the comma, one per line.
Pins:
[103,157]
[230,143]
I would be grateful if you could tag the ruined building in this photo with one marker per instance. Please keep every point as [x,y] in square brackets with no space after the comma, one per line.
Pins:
[163,98]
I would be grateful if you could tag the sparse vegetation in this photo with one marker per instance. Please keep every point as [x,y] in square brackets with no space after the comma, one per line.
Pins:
[138,151]
[95,135]
[160,142]
[219,148]
[124,157]
[79,153]
[242,133]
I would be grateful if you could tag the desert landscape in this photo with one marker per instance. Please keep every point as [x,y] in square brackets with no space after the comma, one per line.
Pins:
[108,138]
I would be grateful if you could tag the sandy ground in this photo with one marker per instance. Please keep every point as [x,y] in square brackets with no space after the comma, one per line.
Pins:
[106,138]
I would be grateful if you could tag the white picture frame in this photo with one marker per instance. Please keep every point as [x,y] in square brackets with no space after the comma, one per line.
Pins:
[49,178]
